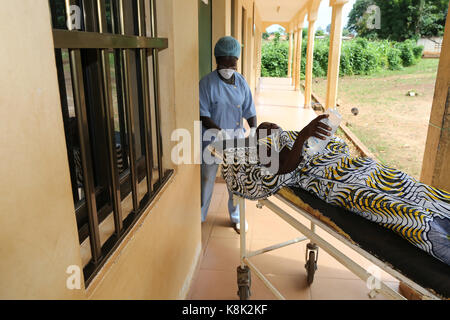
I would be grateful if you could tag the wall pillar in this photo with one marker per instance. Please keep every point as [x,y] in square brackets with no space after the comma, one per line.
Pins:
[334,54]
[298,58]
[221,23]
[436,163]
[294,56]
[290,55]
[309,62]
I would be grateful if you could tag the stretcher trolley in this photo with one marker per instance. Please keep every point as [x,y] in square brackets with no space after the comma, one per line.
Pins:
[424,274]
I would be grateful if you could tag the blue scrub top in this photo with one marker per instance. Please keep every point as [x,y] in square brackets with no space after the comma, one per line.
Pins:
[226,104]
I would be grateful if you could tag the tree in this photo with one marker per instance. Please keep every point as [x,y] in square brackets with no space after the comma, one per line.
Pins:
[345,32]
[432,18]
[281,31]
[400,19]
[265,35]
[320,32]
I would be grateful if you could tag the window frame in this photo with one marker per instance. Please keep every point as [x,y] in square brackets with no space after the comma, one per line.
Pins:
[95,45]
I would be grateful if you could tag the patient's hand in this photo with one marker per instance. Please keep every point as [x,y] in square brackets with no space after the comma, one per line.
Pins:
[316,128]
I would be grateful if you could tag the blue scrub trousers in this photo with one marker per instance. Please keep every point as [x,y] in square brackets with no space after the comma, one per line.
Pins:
[208,172]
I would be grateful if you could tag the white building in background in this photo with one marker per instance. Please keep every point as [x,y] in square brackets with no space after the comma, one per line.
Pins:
[432,46]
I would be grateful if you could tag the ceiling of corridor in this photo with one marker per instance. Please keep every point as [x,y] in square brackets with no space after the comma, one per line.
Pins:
[279,10]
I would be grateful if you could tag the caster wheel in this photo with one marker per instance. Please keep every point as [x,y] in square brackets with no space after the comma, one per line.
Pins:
[244,293]
[311,267]
[244,282]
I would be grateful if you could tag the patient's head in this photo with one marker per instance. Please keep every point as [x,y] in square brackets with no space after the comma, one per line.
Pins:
[266,129]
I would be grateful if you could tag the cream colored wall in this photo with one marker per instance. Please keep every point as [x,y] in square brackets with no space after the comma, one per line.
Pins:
[38,229]
[160,258]
[221,23]
[37,220]
[252,49]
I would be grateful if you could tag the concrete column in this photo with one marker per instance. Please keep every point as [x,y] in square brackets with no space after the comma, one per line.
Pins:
[298,59]
[309,63]
[334,54]
[290,55]
[436,160]
[221,23]
[294,57]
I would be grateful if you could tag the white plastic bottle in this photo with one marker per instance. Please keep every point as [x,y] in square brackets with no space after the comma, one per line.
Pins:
[333,121]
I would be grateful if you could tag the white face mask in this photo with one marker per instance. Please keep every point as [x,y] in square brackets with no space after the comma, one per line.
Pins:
[226,73]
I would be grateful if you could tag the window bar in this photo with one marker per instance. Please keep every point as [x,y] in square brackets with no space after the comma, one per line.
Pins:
[155,64]
[119,85]
[85,147]
[65,112]
[146,100]
[129,112]
[109,113]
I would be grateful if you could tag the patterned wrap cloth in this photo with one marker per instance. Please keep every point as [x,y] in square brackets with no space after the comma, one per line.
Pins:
[417,212]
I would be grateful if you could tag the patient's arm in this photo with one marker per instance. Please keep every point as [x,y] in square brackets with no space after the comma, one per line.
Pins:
[290,159]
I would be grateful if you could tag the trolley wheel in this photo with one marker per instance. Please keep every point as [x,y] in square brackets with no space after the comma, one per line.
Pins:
[244,282]
[244,292]
[311,267]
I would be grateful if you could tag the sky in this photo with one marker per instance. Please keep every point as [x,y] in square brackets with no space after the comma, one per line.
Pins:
[324,16]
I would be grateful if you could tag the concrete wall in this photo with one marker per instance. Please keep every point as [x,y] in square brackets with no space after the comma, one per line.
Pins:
[221,23]
[37,219]
[38,229]
[251,52]
[432,45]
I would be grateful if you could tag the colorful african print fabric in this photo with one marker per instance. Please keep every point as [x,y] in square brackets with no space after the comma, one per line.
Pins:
[417,212]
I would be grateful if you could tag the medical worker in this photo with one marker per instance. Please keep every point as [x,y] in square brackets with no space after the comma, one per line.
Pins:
[225,100]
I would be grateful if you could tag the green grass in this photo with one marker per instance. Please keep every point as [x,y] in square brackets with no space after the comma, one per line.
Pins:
[424,66]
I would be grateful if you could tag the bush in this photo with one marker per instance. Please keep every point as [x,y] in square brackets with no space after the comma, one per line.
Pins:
[358,57]
[406,54]
[394,59]
[274,58]
[418,51]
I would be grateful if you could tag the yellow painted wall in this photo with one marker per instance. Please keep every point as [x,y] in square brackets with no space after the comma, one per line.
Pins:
[37,220]
[38,229]
[221,23]
[250,52]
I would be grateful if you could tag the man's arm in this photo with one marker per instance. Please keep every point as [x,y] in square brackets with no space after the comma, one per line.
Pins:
[248,108]
[290,159]
[252,122]
[208,123]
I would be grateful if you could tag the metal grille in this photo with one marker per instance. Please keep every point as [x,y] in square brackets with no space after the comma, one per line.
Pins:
[111,115]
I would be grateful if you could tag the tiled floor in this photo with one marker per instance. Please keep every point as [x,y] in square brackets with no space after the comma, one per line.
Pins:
[216,277]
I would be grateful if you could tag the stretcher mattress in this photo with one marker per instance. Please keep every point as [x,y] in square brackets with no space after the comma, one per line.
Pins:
[415,264]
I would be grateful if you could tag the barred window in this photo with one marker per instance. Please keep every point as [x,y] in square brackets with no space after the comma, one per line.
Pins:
[108,77]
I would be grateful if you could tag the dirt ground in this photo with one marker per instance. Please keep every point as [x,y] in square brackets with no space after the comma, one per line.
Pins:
[390,123]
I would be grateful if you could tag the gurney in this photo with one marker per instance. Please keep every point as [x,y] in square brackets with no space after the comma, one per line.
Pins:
[422,273]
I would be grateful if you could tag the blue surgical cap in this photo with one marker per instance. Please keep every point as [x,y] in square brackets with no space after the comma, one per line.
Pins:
[227,47]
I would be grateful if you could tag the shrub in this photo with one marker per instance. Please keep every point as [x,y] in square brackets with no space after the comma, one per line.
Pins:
[358,57]
[394,59]
[407,53]
[274,58]
[418,51]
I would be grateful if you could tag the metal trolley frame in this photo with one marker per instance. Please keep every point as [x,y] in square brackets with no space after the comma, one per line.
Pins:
[247,267]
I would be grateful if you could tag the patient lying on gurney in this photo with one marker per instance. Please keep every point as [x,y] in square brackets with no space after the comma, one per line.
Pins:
[416,211]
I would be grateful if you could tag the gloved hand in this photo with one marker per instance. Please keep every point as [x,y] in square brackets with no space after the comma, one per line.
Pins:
[223,135]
